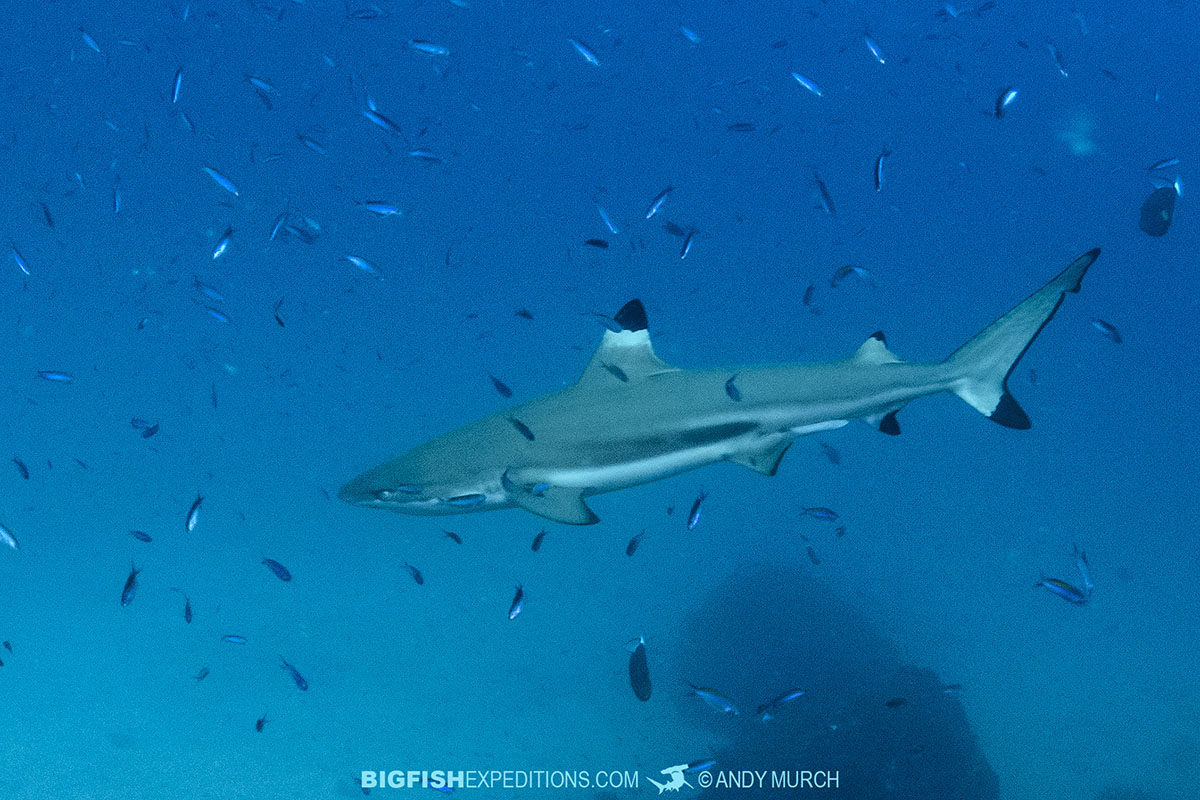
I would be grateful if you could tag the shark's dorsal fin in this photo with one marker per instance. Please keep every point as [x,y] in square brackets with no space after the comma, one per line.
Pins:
[874,351]
[625,355]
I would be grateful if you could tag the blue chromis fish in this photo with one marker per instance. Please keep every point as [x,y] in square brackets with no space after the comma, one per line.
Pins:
[1108,329]
[587,54]
[428,48]
[279,570]
[221,181]
[6,537]
[714,700]
[1005,100]
[732,390]
[193,515]
[767,711]
[501,387]
[874,48]
[639,669]
[20,260]
[295,673]
[694,515]
[688,241]
[879,168]
[222,244]
[54,376]
[1085,570]
[658,200]
[381,121]
[130,590]
[233,638]
[808,84]
[1063,589]
[518,602]
[177,85]
[821,513]
[380,209]
[365,266]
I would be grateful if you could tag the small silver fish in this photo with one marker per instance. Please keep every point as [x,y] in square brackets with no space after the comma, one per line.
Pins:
[20,260]
[380,209]
[587,54]
[193,515]
[1085,570]
[714,700]
[1005,100]
[879,169]
[1058,62]
[808,84]
[1108,329]
[428,48]
[176,86]
[874,48]
[6,537]
[382,121]
[697,505]
[221,181]
[518,602]
[687,244]
[365,266]
[657,202]
[608,223]
[222,244]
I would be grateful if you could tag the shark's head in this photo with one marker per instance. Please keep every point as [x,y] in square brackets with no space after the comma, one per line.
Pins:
[408,486]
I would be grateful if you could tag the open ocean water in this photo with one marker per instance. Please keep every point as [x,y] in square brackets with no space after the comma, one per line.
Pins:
[259,247]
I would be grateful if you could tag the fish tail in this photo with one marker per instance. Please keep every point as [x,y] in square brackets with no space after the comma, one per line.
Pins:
[984,363]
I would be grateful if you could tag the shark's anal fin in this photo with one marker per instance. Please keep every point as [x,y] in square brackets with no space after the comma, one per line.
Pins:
[558,503]
[764,461]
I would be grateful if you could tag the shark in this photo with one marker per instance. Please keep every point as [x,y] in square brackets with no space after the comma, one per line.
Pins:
[631,418]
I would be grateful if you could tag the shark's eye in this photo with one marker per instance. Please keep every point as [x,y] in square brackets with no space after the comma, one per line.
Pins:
[384,494]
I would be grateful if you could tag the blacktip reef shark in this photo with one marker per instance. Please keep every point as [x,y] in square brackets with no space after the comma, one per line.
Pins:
[631,419]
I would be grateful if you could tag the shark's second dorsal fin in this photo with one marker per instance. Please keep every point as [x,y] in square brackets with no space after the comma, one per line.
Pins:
[874,351]
[625,355]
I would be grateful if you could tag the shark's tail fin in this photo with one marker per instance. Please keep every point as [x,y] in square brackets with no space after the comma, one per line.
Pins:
[984,363]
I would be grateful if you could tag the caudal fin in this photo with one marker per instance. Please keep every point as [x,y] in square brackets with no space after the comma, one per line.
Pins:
[986,361]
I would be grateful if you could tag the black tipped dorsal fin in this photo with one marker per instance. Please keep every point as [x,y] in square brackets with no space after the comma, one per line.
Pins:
[625,355]
[874,351]
[632,316]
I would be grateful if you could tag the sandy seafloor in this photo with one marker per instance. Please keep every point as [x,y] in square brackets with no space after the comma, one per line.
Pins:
[947,526]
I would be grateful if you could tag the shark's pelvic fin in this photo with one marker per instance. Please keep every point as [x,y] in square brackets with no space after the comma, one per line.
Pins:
[764,461]
[625,355]
[986,361]
[558,503]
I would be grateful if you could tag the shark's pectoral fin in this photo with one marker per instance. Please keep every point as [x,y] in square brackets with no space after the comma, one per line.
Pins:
[764,460]
[559,503]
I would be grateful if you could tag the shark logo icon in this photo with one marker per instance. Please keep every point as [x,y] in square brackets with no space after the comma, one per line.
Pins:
[676,781]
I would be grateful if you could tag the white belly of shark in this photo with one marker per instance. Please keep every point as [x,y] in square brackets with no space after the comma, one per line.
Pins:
[632,419]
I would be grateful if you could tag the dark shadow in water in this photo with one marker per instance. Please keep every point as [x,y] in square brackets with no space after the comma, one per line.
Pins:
[770,629]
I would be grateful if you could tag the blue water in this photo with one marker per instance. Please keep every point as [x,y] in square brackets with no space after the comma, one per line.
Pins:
[947,527]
